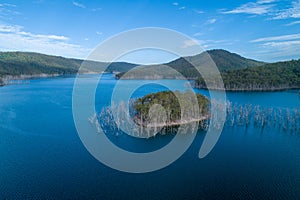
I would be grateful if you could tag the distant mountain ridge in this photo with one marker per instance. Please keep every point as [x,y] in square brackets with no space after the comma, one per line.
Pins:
[224,60]
[238,73]
[27,63]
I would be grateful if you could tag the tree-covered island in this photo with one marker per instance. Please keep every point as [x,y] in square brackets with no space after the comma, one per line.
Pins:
[155,113]
[169,108]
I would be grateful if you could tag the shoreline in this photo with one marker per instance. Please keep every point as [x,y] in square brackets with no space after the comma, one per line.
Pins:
[24,77]
[250,90]
[214,89]
[170,124]
[10,79]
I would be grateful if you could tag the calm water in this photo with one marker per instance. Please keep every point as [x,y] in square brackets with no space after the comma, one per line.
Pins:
[41,155]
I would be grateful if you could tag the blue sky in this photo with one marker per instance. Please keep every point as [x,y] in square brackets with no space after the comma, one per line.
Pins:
[267,30]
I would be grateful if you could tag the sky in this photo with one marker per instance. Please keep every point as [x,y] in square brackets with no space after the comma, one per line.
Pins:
[266,30]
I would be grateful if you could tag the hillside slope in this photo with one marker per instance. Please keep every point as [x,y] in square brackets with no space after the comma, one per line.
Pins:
[224,60]
[25,63]
[269,77]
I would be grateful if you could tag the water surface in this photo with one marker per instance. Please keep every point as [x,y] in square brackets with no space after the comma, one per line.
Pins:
[42,156]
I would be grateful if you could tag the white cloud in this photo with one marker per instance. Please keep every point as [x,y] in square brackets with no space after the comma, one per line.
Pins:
[9,28]
[177,4]
[189,43]
[199,11]
[278,38]
[38,36]
[8,10]
[78,4]
[198,34]
[99,33]
[211,21]
[281,44]
[266,7]
[96,9]
[266,1]
[259,8]
[281,50]
[7,5]
[206,44]
[279,47]
[13,38]
[217,43]
[292,12]
[293,23]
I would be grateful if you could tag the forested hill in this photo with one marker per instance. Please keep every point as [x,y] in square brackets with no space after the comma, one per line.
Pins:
[224,60]
[238,73]
[275,76]
[25,63]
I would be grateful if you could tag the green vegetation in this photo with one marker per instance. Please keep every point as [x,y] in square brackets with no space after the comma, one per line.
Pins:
[224,60]
[275,76]
[179,107]
[20,63]
[238,73]
[24,63]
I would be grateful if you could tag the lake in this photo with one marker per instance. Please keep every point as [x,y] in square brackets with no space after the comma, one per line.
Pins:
[41,155]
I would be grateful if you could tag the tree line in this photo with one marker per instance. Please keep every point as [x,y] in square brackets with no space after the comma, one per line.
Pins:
[170,107]
[274,76]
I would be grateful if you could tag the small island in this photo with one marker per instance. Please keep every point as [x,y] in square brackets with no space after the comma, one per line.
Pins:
[155,113]
[169,108]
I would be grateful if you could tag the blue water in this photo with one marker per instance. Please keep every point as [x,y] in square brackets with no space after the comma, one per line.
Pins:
[41,155]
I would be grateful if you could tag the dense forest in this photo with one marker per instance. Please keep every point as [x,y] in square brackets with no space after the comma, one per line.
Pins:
[238,73]
[275,76]
[14,64]
[178,106]
[223,60]
[21,63]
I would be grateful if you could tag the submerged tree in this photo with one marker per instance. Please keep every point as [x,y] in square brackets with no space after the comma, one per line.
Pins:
[161,113]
